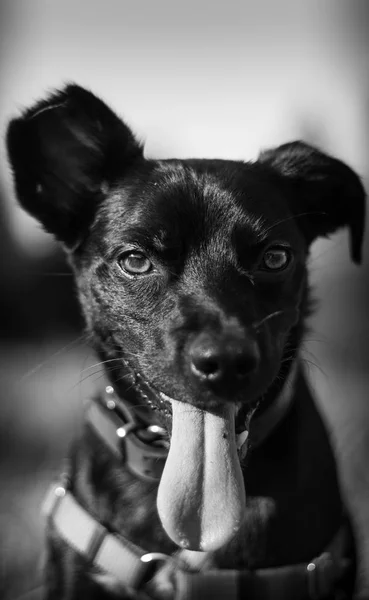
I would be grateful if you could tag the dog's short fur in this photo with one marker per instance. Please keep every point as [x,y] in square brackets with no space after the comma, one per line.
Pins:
[208,290]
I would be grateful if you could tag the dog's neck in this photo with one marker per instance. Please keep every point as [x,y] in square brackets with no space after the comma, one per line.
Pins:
[263,424]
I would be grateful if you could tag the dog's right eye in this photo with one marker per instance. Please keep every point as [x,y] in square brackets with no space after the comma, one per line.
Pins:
[276,258]
[134,262]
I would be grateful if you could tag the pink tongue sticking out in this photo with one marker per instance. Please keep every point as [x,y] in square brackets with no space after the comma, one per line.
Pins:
[201,496]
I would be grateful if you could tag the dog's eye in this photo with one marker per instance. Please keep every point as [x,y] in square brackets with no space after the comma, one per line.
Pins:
[276,258]
[135,263]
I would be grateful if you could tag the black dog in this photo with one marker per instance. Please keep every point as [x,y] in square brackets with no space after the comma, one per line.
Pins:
[192,279]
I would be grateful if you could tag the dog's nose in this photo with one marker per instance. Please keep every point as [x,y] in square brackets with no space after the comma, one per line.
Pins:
[223,359]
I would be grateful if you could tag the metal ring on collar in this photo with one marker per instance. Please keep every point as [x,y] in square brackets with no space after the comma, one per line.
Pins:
[159,556]
[321,576]
[126,429]
[152,558]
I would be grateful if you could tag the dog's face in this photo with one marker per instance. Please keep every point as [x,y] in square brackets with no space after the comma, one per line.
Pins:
[193,272]
[196,271]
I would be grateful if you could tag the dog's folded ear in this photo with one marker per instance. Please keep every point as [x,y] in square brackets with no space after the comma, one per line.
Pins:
[324,193]
[64,152]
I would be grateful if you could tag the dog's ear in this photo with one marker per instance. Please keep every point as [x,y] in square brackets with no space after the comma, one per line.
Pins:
[325,194]
[64,152]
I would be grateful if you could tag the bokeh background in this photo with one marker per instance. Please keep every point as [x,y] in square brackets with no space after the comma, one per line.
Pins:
[203,79]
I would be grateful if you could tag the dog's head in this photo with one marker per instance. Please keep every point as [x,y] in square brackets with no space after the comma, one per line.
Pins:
[192,272]
[193,269]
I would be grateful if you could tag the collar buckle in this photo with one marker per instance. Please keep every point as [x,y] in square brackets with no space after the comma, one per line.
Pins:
[158,576]
[143,448]
[55,495]
[155,557]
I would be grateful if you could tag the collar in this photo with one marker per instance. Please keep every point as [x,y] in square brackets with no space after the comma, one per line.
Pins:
[129,565]
[144,448]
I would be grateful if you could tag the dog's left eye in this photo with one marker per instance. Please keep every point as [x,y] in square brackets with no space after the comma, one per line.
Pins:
[276,258]
[135,263]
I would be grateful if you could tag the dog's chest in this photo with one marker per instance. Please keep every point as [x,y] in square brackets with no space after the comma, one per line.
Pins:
[290,516]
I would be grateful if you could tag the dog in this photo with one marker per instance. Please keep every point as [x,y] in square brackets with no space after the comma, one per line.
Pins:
[204,467]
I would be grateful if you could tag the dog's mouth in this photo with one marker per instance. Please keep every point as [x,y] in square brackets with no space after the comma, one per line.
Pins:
[201,495]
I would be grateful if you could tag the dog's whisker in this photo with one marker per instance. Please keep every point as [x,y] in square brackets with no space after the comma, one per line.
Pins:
[90,375]
[311,363]
[55,354]
[270,316]
[291,217]
[99,364]
[121,378]
[98,374]
[316,340]
[287,359]
[125,352]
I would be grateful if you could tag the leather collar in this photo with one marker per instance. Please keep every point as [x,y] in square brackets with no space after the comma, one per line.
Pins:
[130,565]
[144,448]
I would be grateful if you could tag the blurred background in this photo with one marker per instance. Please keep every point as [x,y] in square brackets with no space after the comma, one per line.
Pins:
[201,79]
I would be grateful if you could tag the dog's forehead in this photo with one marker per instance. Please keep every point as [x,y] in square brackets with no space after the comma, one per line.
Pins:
[221,191]
[193,194]
[183,200]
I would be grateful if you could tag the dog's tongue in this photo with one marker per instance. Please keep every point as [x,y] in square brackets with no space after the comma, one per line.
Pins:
[201,497]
